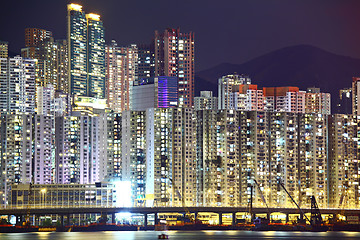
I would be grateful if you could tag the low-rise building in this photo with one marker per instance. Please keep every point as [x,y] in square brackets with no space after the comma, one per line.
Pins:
[62,195]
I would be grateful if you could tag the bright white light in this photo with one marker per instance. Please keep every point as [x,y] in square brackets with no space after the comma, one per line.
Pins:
[123,193]
[123,217]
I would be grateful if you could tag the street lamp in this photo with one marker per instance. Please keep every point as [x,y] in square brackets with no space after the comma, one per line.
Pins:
[43,199]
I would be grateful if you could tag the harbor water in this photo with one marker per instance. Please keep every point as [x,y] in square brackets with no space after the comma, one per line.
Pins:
[180,235]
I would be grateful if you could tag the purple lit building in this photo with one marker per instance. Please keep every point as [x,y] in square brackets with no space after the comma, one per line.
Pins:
[158,92]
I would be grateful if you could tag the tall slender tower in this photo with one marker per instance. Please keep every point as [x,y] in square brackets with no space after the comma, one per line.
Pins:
[174,56]
[355,95]
[121,72]
[77,48]
[86,47]
[96,56]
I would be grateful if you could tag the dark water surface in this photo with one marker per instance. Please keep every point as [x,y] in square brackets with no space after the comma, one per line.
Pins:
[179,235]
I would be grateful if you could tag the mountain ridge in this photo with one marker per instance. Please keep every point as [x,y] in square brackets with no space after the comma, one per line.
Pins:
[302,66]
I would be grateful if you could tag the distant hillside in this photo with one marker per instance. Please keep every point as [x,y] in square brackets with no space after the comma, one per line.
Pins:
[302,66]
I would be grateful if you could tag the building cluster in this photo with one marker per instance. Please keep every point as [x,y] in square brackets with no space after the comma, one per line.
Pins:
[236,92]
[77,112]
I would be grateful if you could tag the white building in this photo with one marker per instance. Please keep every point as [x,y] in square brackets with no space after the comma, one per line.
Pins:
[45,104]
[246,97]
[17,85]
[44,149]
[16,136]
[284,99]
[206,101]
[225,88]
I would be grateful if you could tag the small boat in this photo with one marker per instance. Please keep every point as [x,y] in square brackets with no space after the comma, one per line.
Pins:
[163,236]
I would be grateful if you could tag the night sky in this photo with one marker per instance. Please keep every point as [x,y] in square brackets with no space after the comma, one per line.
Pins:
[232,31]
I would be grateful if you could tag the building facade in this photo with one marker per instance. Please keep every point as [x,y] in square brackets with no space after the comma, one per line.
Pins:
[17,85]
[206,101]
[174,57]
[158,92]
[16,147]
[96,56]
[63,195]
[121,72]
[225,88]
[4,49]
[86,51]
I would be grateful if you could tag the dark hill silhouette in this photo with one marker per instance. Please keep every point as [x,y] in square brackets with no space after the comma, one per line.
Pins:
[302,66]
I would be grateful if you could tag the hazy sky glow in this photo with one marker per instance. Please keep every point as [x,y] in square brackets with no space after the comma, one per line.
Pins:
[225,31]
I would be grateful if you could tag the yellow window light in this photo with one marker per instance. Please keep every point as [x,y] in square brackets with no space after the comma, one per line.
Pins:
[75,7]
[93,16]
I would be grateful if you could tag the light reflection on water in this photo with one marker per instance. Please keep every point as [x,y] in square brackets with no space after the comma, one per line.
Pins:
[181,235]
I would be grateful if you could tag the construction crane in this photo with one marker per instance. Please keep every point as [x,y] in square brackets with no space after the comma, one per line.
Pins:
[263,199]
[292,199]
[342,203]
[187,212]
[316,219]
[316,222]
[262,195]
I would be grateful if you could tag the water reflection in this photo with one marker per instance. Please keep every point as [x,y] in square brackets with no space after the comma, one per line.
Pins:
[182,235]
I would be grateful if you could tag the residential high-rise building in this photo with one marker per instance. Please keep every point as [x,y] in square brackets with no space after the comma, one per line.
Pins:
[284,99]
[225,88]
[355,95]
[158,156]
[116,134]
[283,159]
[77,50]
[184,157]
[44,149]
[47,63]
[17,85]
[174,57]
[133,154]
[272,147]
[220,159]
[121,72]
[51,63]
[344,104]
[343,161]
[146,61]
[187,157]
[158,92]
[206,101]
[45,104]
[63,146]
[33,38]
[86,50]
[254,161]
[16,152]
[4,49]
[96,56]
[313,164]
[246,97]
[80,151]
[159,162]
[62,66]
[317,102]
[62,103]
